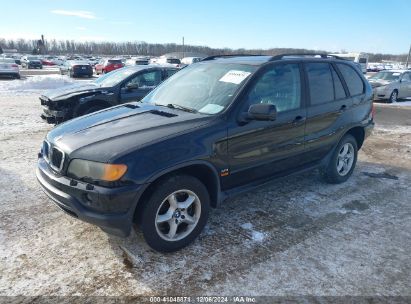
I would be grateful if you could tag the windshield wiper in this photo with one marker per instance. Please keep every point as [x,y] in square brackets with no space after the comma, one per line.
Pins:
[176,106]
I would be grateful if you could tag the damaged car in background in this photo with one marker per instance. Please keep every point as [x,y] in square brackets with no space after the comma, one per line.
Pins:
[120,86]
[391,85]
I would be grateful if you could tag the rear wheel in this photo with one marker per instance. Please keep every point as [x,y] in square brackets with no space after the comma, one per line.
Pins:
[393,97]
[175,214]
[342,162]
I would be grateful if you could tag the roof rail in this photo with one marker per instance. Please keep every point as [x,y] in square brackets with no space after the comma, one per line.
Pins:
[322,55]
[228,56]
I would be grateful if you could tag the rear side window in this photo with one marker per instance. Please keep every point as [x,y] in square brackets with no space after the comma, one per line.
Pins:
[338,87]
[352,79]
[321,82]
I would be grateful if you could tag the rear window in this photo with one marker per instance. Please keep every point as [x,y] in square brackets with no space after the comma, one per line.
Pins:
[173,61]
[352,79]
[111,61]
[321,82]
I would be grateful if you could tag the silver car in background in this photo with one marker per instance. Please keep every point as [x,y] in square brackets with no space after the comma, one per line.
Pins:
[391,85]
[9,67]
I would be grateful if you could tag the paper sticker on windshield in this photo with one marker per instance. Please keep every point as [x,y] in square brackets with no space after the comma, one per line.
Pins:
[234,76]
[396,74]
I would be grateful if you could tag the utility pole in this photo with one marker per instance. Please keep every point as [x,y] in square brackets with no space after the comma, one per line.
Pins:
[183,48]
[408,57]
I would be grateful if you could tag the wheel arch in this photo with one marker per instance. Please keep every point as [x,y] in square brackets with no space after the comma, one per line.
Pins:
[202,170]
[81,108]
[358,133]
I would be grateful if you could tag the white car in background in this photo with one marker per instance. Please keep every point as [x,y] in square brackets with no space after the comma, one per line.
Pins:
[190,60]
[391,85]
[8,67]
[169,61]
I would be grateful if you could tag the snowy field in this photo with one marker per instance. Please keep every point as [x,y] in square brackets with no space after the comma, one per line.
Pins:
[295,236]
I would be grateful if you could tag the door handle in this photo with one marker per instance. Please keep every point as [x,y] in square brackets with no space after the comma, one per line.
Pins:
[298,120]
[343,108]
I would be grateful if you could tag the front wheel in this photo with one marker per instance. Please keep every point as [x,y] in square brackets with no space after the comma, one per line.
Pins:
[342,161]
[393,97]
[175,214]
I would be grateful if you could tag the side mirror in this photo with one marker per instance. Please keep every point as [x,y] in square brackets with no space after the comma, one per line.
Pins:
[262,111]
[131,86]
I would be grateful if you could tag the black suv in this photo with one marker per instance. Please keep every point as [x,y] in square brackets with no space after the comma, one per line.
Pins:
[119,86]
[214,129]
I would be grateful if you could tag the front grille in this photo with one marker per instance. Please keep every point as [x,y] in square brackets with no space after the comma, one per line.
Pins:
[54,156]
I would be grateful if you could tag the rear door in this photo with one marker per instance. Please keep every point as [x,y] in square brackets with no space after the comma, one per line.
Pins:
[329,102]
[259,149]
[139,86]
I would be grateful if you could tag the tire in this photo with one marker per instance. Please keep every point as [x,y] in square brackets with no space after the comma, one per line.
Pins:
[17,76]
[158,214]
[333,173]
[393,97]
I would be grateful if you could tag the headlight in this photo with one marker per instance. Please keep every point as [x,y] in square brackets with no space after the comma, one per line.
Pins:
[80,168]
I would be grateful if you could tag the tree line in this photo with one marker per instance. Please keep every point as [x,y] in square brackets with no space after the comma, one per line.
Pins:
[65,47]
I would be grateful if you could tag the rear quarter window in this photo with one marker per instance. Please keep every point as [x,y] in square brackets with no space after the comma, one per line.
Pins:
[352,79]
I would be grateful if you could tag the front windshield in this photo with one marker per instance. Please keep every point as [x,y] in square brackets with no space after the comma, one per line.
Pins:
[204,87]
[113,78]
[389,76]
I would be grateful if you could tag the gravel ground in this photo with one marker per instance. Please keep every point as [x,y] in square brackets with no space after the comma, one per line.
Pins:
[295,236]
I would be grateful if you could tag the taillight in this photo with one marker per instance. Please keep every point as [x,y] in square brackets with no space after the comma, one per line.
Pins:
[14,65]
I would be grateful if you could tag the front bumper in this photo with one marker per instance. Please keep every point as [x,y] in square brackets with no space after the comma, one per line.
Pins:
[52,113]
[381,93]
[10,73]
[112,209]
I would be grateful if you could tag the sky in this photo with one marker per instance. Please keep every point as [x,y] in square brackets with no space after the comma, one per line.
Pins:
[356,26]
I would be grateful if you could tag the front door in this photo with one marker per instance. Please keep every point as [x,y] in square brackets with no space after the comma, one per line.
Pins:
[259,149]
[405,86]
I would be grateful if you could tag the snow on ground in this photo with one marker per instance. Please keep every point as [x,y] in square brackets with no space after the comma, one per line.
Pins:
[294,236]
[33,84]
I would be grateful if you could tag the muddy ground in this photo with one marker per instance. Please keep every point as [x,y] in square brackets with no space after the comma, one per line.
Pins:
[295,236]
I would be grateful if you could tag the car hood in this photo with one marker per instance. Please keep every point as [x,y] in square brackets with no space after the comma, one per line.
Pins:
[110,133]
[378,82]
[72,89]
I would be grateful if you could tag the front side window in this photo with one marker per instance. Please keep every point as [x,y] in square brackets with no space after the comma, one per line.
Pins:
[352,79]
[146,80]
[280,85]
[320,82]
[407,77]
[170,72]
[206,88]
